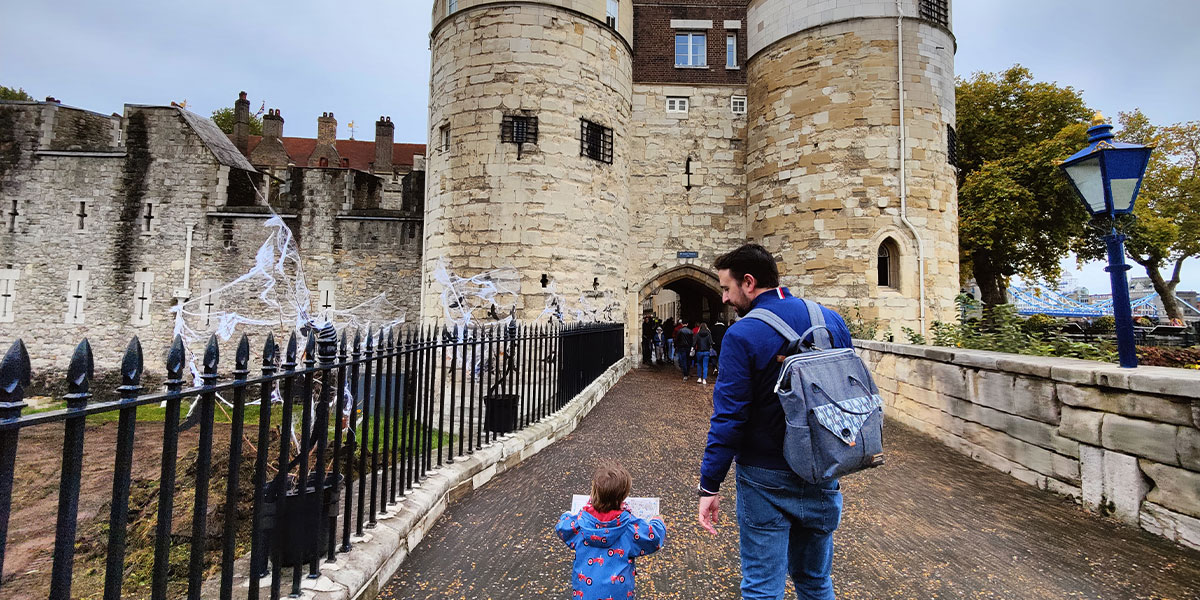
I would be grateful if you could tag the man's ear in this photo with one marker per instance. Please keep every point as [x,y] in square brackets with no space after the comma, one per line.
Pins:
[750,280]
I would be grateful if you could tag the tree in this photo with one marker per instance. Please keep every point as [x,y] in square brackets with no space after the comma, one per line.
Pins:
[225,119]
[7,93]
[1017,213]
[1165,228]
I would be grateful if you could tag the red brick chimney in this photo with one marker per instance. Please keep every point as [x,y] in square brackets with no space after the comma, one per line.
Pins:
[326,142]
[385,139]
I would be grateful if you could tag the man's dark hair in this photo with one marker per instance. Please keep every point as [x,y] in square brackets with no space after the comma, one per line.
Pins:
[750,259]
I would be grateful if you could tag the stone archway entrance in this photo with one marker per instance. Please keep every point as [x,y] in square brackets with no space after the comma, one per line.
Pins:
[684,292]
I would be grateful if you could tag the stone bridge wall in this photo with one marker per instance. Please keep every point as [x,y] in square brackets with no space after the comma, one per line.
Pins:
[1125,443]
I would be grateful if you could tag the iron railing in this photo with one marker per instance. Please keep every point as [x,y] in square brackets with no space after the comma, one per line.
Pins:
[369,415]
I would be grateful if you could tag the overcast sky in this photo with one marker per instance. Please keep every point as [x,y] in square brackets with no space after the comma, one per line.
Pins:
[361,60]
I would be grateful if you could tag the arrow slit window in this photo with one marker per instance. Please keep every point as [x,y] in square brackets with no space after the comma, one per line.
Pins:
[210,300]
[326,295]
[77,288]
[8,289]
[143,286]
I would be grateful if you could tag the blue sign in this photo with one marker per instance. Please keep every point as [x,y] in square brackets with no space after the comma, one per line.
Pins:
[689,254]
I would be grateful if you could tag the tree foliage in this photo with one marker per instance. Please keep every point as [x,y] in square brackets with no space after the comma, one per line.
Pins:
[7,93]
[225,119]
[1017,213]
[1165,228]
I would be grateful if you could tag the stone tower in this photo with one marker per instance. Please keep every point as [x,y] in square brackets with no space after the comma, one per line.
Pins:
[856,201]
[528,100]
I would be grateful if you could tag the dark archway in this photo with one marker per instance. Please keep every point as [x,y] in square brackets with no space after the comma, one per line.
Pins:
[698,290]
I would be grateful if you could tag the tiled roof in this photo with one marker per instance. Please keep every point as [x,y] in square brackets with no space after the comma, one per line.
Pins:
[361,153]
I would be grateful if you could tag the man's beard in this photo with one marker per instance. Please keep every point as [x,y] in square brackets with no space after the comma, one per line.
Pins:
[741,312]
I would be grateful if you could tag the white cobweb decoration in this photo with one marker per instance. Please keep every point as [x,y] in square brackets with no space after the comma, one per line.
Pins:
[490,296]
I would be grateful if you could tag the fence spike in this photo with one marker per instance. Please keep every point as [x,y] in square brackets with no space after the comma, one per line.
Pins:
[357,344]
[81,370]
[132,364]
[241,360]
[391,340]
[370,339]
[342,348]
[289,356]
[14,373]
[270,351]
[310,346]
[212,355]
[175,356]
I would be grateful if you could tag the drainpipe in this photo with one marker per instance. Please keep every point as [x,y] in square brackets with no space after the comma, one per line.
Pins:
[187,261]
[903,160]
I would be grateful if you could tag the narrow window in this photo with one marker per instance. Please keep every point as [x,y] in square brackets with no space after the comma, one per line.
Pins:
[12,216]
[323,162]
[327,295]
[677,104]
[691,50]
[8,290]
[81,217]
[519,130]
[210,300]
[143,284]
[77,281]
[951,145]
[738,105]
[148,217]
[614,7]
[596,141]
[451,7]
[731,61]
[937,11]
[444,134]
[888,264]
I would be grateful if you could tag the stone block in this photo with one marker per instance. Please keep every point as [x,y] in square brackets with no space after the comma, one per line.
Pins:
[1091,471]
[1174,526]
[1166,381]
[1147,439]
[1165,409]
[951,380]
[1175,488]
[1024,396]
[1187,446]
[1081,425]
[1124,487]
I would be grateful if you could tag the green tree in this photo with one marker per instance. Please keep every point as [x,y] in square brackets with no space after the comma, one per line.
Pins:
[224,119]
[1017,213]
[7,93]
[1165,228]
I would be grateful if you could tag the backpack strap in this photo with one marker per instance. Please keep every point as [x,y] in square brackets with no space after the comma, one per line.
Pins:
[821,337]
[776,323]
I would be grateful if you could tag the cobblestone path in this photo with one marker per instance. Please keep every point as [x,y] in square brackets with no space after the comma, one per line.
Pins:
[931,523]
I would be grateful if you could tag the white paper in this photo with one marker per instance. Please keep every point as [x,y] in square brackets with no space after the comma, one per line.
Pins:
[642,508]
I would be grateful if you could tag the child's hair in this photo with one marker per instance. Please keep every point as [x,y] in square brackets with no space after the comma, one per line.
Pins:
[611,484]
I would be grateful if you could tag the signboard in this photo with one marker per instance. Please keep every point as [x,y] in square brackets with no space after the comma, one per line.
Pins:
[642,508]
[688,254]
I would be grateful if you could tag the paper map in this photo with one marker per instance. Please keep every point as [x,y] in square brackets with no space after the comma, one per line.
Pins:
[642,508]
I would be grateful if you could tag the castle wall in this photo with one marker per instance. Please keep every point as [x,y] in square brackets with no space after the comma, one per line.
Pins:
[823,164]
[594,9]
[666,217]
[551,210]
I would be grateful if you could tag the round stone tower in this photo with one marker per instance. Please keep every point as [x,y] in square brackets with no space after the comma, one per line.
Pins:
[849,173]
[529,110]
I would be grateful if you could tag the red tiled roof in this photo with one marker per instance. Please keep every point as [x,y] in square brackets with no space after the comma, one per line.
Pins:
[361,153]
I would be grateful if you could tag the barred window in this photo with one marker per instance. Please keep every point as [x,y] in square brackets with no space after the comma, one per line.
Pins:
[937,11]
[518,129]
[951,145]
[595,141]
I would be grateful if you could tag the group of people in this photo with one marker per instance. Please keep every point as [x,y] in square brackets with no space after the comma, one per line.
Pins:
[692,346]
[785,524]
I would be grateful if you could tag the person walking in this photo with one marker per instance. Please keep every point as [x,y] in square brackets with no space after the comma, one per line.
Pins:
[785,524]
[683,348]
[703,346]
[647,338]
[669,331]
[659,339]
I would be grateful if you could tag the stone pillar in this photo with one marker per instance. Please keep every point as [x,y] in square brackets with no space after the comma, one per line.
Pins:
[241,123]
[385,139]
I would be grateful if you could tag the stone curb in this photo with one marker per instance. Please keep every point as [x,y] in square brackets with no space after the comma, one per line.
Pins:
[375,557]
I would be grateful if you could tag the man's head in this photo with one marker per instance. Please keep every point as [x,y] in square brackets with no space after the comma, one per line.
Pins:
[611,484]
[744,274]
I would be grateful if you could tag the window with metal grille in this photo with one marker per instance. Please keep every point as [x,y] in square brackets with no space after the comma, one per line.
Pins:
[937,11]
[518,129]
[951,145]
[595,141]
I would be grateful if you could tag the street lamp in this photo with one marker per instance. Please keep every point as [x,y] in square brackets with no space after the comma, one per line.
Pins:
[1107,176]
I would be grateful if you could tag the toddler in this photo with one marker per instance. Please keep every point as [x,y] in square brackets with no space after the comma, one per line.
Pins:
[607,538]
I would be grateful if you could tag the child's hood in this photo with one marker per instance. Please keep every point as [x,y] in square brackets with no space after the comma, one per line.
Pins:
[603,534]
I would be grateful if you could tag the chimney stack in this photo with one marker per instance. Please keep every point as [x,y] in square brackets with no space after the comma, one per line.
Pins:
[326,128]
[270,151]
[241,123]
[326,148]
[272,124]
[385,139]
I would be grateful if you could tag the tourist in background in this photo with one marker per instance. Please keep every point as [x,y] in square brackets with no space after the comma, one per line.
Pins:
[684,349]
[659,340]
[669,333]
[703,346]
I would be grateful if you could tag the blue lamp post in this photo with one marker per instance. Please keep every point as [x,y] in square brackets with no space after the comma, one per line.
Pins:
[1107,176]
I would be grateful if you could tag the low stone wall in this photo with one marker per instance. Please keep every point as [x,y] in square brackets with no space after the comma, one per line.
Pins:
[375,557]
[1124,442]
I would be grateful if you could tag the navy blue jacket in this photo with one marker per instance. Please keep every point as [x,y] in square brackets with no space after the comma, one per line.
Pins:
[747,421]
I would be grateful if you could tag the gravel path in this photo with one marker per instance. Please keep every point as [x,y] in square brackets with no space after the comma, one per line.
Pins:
[930,524]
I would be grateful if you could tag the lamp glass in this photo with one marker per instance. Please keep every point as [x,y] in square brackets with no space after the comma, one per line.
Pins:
[1089,180]
[1122,194]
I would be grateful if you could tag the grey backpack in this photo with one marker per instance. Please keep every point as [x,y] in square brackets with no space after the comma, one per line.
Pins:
[833,409]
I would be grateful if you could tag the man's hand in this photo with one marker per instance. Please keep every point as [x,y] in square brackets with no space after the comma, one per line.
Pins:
[710,512]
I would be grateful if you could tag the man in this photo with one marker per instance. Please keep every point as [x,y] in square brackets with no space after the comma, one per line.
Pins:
[647,338]
[776,510]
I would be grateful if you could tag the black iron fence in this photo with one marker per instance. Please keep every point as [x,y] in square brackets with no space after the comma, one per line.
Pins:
[344,428]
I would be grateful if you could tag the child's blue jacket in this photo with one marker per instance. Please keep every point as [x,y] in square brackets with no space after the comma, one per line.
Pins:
[605,551]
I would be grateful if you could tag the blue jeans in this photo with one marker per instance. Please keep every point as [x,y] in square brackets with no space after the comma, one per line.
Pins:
[685,362]
[778,510]
[702,364]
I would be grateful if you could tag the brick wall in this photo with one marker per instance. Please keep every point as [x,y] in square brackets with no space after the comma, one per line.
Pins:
[654,41]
